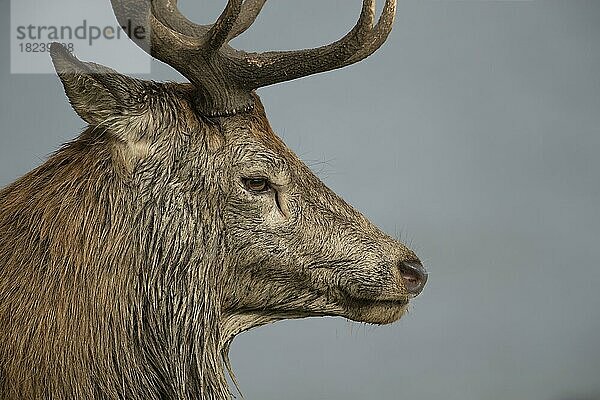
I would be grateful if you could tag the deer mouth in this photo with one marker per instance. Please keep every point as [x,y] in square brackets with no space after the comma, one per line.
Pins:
[375,311]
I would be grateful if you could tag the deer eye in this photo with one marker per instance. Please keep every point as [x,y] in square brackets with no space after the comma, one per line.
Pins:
[257,185]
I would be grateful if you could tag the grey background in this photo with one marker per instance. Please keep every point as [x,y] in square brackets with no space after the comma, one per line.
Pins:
[473,135]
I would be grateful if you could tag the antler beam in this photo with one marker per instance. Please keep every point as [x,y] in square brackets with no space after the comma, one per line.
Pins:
[225,77]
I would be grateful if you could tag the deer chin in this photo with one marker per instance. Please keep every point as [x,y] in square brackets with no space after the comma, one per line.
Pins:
[377,312]
[382,309]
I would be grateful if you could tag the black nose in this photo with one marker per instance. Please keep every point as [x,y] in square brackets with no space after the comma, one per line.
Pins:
[414,276]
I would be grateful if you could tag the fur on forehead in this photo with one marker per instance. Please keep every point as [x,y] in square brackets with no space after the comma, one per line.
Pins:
[218,131]
[261,128]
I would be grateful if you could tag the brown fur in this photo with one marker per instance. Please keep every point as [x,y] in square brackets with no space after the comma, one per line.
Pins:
[132,257]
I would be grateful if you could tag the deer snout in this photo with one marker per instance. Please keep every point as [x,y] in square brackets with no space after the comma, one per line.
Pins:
[414,276]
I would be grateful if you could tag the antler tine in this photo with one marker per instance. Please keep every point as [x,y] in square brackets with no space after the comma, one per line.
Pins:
[219,32]
[379,35]
[275,67]
[167,12]
[250,11]
[163,22]
[164,16]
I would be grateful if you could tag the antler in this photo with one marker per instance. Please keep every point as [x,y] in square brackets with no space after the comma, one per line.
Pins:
[225,77]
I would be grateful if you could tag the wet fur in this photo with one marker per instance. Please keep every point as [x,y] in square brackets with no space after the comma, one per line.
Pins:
[132,257]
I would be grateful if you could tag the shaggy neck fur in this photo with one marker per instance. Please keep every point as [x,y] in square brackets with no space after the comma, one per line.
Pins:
[99,294]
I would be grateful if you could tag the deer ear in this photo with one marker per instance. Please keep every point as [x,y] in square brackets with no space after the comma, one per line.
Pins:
[96,93]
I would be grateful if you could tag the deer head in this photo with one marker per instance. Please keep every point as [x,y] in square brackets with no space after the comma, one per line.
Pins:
[201,222]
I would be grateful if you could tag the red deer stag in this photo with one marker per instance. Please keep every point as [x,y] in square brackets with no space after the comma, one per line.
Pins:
[131,259]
